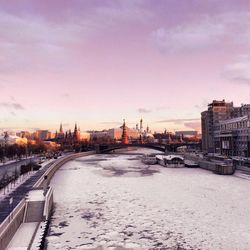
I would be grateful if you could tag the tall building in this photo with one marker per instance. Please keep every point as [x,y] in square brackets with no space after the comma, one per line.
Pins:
[141,126]
[210,124]
[68,138]
[42,135]
[243,110]
[235,136]
[124,134]
[76,134]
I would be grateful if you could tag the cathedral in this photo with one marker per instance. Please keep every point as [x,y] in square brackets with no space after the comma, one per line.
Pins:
[68,138]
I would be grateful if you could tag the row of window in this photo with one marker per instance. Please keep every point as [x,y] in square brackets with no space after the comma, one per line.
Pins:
[235,125]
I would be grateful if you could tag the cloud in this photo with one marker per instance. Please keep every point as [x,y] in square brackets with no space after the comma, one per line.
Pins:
[144,110]
[31,42]
[12,105]
[65,95]
[190,36]
[206,31]
[193,125]
[178,121]
[202,105]
[111,123]
[39,42]
[239,71]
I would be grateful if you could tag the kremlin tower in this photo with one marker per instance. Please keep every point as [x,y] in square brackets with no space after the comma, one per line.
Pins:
[124,133]
[68,138]
[76,134]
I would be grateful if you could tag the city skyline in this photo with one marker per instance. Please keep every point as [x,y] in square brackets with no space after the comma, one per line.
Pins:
[97,62]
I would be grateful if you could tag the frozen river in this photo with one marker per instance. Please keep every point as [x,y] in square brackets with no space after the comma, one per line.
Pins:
[116,202]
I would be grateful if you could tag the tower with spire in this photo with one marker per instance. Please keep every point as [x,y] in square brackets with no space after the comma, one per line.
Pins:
[76,134]
[59,136]
[124,133]
[61,129]
[141,126]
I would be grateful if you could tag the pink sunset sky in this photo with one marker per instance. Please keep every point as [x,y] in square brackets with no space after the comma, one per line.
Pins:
[97,62]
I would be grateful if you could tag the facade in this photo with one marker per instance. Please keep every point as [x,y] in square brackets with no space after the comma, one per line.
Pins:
[42,135]
[210,124]
[116,133]
[12,139]
[235,136]
[243,110]
[226,129]
[189,134]
[25,134]
[124,133]
[68,138]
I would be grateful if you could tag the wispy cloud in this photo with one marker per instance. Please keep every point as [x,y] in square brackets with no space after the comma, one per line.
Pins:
[178,121]
[193,125]
[144,110]
[12,105]
[65,95]
[239,71]
[206,31]
[41,38]
[188,37]
[111,123]
[202,105]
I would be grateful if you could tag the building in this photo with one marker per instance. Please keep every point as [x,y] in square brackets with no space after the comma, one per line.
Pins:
[12,139]
[25,134]
[116,133]
[235,136]
[243,110]
[124,133]
[210,124]
[42,135]
[188,134]
[68,138]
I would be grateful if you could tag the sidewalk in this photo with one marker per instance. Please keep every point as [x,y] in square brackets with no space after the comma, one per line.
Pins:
[11,187]
[16,160]
[19,192]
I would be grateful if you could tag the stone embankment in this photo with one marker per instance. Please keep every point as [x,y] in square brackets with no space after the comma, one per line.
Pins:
[12,222]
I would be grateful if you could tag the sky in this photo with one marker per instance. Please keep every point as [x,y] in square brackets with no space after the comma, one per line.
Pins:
[96,62]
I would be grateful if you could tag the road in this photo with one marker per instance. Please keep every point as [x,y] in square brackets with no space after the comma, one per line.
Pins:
[20,193]
[10,168]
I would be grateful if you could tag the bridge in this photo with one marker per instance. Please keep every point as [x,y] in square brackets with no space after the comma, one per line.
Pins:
[107,148]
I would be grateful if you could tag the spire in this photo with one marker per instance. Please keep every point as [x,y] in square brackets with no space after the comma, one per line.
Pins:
[61,129]
[76,134]
[141,127]
[75,130]
[124,133]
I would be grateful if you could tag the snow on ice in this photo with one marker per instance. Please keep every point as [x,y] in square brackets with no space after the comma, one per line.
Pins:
[116,202]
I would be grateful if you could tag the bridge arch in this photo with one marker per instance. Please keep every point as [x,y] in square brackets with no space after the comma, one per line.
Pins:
[108,148]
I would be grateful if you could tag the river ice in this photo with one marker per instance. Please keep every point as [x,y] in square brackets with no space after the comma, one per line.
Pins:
[117,202]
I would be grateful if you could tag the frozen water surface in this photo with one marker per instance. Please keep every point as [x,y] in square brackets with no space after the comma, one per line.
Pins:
[116,202]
